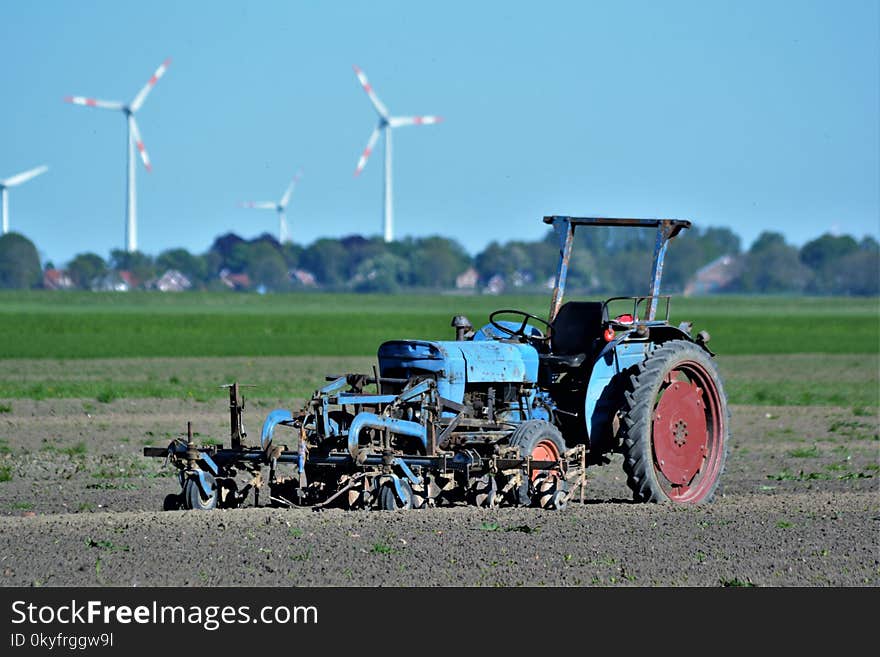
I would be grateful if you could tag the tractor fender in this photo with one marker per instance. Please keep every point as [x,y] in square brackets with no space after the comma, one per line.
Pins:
[603,388]
[614,358]
[274,418]
[661,334]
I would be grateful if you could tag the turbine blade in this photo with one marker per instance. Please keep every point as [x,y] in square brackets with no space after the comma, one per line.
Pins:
[148,87]
[286,198]
[398,121]
[362,78]
[93,102]
[369,149]
[259,205]
[23,177]
[139,143]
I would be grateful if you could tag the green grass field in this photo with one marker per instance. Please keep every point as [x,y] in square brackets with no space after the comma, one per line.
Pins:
[108,345]
[94,325]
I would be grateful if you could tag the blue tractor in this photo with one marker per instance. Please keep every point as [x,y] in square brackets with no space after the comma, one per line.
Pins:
[511,413]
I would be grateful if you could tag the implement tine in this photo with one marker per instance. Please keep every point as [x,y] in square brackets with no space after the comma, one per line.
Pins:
[344,489]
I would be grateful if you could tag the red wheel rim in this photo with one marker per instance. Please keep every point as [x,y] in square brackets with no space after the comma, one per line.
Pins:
[545,450]
[687,432]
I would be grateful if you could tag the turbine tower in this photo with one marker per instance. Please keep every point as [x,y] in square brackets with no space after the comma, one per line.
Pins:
[133,141]
[280,207]
[386,124]
[14,181]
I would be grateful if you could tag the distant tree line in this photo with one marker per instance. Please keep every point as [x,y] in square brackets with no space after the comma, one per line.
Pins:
[605,261]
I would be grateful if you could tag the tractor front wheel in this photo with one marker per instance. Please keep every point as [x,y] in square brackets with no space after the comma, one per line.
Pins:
[539,440]
[674,426]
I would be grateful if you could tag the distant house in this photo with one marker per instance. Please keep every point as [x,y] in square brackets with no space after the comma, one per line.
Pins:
[713,277]
[56,279]
[129,279]
[495,285]
[303,277]
[521,278]
[172,281]
[467,280]
[235,281]
[111,282]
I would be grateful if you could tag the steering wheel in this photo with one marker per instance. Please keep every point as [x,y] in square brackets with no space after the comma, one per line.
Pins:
[521,331]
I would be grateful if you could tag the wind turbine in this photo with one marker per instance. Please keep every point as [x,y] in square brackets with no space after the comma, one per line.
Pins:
[280,207]
[134,141]
[386,123]
[14,181]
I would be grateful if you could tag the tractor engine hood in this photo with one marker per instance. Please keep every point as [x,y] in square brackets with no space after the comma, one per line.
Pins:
[458,363]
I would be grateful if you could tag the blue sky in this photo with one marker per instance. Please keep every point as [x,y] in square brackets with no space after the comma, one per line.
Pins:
[752,115]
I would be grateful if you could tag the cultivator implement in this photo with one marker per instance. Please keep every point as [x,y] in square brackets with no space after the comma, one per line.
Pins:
[360,449]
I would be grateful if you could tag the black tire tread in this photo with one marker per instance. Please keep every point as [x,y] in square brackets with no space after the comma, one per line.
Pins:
[531,431]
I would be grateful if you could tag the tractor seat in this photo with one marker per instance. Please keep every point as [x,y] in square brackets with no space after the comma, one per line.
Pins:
[577,326]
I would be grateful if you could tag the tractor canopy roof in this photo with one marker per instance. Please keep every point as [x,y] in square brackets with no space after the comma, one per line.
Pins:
[564,227]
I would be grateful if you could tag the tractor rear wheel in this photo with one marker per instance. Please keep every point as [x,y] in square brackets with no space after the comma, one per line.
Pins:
[674,426]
